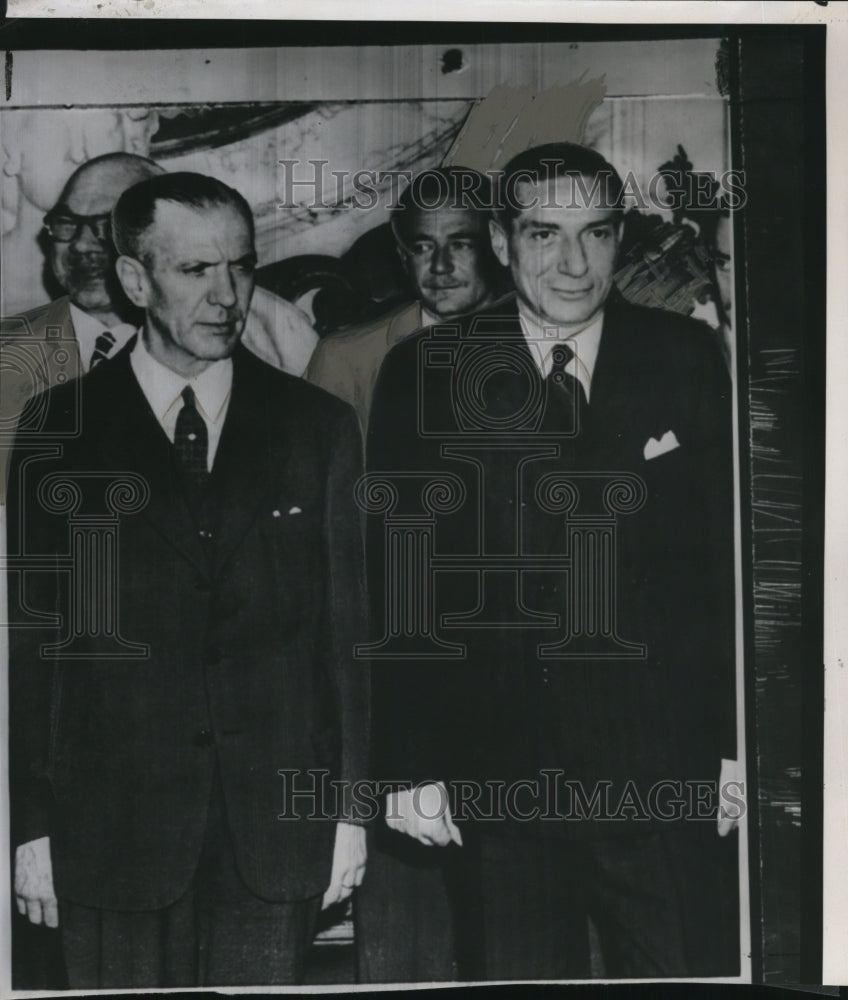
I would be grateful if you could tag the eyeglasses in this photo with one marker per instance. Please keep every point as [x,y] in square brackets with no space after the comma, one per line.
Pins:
[66,227]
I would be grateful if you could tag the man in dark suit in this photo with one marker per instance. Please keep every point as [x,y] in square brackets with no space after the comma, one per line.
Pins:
[403,923]
[200,674]
[559,694]
[92,318]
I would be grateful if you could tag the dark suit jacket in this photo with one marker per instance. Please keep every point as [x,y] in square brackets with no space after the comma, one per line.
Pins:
[250,645]
[37,351]
[504,712]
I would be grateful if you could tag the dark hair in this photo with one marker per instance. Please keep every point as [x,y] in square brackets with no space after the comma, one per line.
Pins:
[558,159]
[442,187]
[133,214]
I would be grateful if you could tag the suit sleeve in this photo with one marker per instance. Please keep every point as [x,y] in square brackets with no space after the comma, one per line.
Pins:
[410,741]
[345,605]
[30,531]
[714,420]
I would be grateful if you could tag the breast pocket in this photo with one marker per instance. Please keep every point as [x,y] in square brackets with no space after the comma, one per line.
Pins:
[294,534]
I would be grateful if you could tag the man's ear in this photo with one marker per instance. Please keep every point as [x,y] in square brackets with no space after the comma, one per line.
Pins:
[500,241]
[134,281]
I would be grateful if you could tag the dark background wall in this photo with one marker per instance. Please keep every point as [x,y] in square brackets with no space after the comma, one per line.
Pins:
[778,125]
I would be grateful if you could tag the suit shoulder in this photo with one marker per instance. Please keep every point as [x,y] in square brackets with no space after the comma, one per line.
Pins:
[402,357]
[358,337]
[55,410]
[34,320]
[294,392]
[672,333]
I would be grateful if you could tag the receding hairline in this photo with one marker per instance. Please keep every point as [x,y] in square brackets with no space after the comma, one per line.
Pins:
[135,168]
[143,236]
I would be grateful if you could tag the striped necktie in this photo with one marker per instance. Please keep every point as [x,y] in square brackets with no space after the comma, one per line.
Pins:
[102,346]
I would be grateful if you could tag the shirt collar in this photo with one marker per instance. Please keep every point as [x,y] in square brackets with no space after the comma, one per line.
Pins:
[163,387]
[87,329]
[541,338]
[429,319]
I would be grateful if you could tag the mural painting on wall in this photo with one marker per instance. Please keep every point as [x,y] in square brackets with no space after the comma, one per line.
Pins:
[316,245]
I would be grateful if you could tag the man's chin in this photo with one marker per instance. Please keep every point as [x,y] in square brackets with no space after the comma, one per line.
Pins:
[92,297]
[221,347]
[568,314]
[446,306]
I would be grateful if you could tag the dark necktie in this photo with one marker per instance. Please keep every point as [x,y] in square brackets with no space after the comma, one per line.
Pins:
[102,346]
[191,440]
[567,384]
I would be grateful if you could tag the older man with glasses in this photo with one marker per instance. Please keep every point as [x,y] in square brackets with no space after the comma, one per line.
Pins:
[93,319]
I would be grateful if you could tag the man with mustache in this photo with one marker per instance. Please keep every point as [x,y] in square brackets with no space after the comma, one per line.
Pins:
[440,225]
[93,319]
[149,816]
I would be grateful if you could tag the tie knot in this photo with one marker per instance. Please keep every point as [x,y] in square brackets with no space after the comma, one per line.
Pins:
[102,346]
[560,357]
[105,341]
[188,397]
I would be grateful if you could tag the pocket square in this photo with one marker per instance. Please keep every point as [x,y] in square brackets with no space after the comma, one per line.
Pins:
[654,448]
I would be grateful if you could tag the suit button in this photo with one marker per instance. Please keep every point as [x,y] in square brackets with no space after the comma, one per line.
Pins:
[204,738]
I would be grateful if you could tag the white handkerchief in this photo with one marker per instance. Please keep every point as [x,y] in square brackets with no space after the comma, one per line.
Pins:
[654,448]
[295,510]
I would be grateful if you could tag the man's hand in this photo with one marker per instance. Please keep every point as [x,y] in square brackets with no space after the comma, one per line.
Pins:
[34,883]
[349,855]
[731,796]
[424,814]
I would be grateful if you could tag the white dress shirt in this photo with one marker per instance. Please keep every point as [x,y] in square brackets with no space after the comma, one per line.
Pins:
[163,389]
[542,337]
[87,329]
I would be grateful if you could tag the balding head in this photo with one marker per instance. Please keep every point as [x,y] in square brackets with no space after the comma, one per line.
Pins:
[93,188]
[80,247]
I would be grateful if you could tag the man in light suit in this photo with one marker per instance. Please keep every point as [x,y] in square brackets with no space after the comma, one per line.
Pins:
[440,226]
[66,337]
[149,814]
[592,439]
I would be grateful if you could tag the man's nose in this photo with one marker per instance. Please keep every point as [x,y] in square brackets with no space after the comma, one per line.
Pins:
[442,260]
[86,241]
[223,290]
[572,259]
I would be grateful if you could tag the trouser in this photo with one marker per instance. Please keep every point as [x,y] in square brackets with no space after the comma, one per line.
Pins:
[217,933]
[664,904]
[403,918]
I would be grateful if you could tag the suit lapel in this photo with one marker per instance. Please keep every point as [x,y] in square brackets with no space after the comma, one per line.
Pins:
[612,420]
[131,437]
[247,452]
[616,404]
[403,323]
